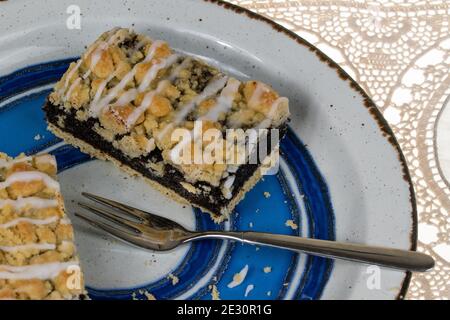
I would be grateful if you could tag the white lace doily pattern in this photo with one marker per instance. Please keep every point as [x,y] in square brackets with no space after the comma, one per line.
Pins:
[399,52]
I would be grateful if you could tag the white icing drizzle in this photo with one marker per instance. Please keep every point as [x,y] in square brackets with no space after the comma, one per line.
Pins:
[96,107]
[112,35]
[45,158]
[101,47]
[87,74]
[38,271]
[30,246]
[40,159]
[140,44]
[97,54]
[256,96]
[153,71]
[229,182]
[227,187]
[98,93]
[98,104]
[150,145]
[131,94]
[69,76]
[145,104]
[26,176]
[148,98]
[9,163]
[274,107]
[227,193]
[224,101]
[34,202]
[66,242]
[211,89]
[151,52]
[65,221]
[126,97]
[37,222]
[71,88]
[176,72]
[35,246]
[95,58]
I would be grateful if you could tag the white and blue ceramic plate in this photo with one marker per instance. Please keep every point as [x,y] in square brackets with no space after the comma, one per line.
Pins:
[343,176]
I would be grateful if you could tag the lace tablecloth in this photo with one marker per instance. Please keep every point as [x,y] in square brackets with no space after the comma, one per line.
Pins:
[399,52]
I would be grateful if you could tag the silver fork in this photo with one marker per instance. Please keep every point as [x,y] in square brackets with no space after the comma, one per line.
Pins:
[150,231]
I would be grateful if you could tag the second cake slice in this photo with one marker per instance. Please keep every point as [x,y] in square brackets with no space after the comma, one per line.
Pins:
[37,255]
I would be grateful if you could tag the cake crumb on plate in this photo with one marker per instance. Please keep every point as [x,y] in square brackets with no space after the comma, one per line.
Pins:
[239,277]
[215,294]
[149,296]
[174,278]
[291,224]
[249,288]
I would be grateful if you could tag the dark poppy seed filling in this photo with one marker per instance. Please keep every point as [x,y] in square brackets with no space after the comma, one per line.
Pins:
[212,200]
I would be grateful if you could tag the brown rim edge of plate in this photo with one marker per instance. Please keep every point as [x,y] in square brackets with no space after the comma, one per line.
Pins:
[369,104]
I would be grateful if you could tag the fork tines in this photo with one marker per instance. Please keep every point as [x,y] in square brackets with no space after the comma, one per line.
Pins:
[120,225]
[130,224]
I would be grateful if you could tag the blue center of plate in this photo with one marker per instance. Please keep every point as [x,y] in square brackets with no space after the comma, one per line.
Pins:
[297,193]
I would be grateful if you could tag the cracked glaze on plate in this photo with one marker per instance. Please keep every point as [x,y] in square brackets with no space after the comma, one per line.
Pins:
[342,175]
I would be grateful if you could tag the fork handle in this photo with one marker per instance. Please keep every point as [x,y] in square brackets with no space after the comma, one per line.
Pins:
[387,257]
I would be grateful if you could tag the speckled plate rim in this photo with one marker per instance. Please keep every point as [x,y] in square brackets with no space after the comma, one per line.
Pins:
[368,103]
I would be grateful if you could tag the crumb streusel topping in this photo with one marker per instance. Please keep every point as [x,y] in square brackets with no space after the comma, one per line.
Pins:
[36,238]
[140,91]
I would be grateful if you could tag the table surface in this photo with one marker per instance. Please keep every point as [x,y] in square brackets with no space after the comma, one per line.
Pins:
[398,51]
